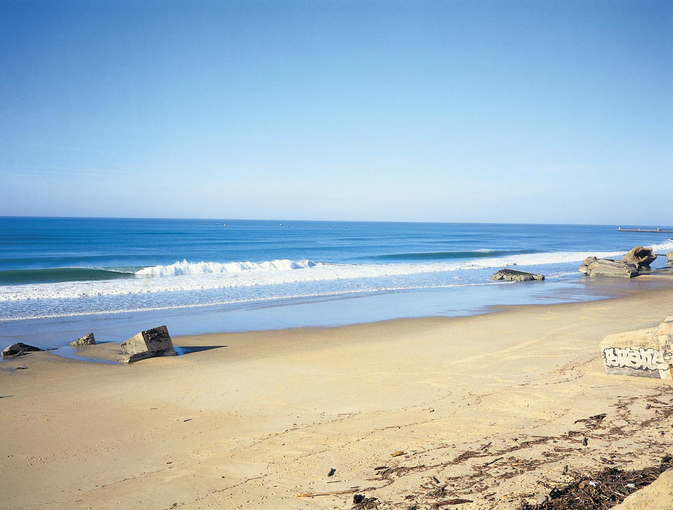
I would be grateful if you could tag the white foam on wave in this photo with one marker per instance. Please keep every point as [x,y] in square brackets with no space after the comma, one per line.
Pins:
[187,276]
[185,267]
[663,247]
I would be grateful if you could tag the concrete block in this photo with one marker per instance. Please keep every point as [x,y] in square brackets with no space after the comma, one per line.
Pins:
[148,344]
[642,353]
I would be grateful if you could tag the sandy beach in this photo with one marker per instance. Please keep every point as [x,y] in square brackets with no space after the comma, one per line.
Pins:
[359,255]
[489,409]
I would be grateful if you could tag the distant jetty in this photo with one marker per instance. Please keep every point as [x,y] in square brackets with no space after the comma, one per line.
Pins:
[652,230]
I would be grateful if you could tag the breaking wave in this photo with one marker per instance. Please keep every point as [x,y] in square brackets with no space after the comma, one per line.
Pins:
[185,267]
[667,246]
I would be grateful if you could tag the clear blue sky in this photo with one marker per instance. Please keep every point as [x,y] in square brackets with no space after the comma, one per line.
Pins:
[488,111]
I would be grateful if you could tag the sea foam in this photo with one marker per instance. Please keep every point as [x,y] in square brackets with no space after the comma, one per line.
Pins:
[663,247]
[185,267]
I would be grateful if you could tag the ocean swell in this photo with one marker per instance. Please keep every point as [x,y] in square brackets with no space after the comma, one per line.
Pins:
[61,274]
[444,255]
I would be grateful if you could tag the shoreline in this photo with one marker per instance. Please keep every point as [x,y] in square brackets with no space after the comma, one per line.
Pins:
[335,311]
[487,404]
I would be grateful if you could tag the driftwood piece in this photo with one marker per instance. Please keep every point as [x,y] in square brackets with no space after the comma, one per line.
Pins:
[334,493]
[456,501]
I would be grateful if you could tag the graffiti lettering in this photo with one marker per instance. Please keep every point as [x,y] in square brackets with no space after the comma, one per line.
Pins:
[641,359]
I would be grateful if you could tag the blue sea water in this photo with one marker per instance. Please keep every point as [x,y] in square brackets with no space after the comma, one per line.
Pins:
[62,277]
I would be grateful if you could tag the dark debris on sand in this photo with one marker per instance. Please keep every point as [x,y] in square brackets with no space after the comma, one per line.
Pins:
[600,490]
[360,502]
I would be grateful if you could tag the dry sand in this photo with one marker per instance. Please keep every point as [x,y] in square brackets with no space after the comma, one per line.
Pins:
[489,409]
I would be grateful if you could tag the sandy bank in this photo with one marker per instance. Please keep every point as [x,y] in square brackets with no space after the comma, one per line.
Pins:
[489,409]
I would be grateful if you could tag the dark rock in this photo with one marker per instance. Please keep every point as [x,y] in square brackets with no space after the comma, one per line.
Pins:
[363,503]
[606,267]
[516,276]
[640,257]
[18,349]
[87,339]
[148,344]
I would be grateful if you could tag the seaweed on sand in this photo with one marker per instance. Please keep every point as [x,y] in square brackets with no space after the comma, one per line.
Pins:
[601,490]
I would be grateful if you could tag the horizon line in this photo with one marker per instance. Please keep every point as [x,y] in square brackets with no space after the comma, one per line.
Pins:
[615,225]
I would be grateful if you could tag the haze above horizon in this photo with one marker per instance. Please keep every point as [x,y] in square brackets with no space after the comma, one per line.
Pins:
[449,111]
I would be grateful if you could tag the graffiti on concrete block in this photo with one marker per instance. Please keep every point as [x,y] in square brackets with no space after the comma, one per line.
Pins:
[640,359]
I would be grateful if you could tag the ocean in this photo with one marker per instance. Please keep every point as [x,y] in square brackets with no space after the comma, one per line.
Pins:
[63,277]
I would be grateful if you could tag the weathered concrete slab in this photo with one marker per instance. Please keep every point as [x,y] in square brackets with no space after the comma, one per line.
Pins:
[148,344]
[640,257]
[641,353]
[610,268]
[87,339]
[516,276]
[18,349]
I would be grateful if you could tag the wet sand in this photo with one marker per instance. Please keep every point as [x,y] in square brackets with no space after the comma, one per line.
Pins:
[489,409]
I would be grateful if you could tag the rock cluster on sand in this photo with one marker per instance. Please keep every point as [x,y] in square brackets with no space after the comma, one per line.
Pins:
[18,349]
[669,257]
[148,344]
[640,257]
[87,339]
[605,267]
[516,276]
[636,260]
[642,353]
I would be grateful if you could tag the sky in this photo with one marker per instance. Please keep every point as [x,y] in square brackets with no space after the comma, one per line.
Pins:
[513,111]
